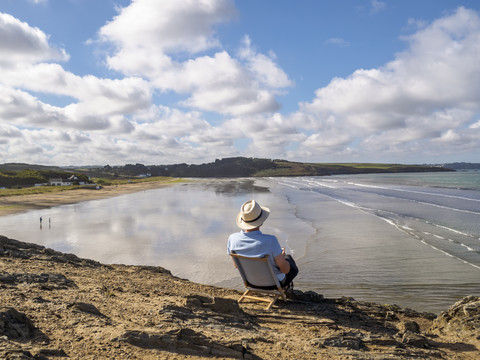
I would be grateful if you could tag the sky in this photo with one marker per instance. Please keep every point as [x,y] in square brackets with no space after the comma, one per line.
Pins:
[88,82]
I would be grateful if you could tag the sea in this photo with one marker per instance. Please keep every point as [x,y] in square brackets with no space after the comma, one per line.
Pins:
[409,239]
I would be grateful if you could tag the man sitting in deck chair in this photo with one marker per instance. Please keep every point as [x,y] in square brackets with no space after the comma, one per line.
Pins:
[251,242]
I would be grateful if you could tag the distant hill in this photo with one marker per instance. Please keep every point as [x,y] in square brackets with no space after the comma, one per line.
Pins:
[22,166]
[462,166]
[227,167]
[254,167]
[27,175]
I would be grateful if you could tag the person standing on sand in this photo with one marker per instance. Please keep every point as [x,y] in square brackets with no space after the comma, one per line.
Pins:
[251,242]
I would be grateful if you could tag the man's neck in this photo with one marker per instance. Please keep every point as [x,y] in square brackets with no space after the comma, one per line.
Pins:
[256,229]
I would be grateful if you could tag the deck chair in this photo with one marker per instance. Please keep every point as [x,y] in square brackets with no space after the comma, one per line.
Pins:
[258,277]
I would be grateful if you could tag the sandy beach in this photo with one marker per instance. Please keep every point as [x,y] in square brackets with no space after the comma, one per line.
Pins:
[58,305]
[21,203]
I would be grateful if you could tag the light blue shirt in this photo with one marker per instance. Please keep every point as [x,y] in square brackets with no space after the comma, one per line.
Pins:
[256,244]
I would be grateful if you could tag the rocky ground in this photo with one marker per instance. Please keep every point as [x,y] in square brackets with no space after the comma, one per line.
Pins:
[55,305]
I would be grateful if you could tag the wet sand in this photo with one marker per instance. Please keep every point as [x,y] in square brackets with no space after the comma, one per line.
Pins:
[22,203]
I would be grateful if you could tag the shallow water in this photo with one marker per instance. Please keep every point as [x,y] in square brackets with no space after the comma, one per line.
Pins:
[404,239]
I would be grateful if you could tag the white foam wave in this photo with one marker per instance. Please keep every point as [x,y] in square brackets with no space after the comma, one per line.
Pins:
[467,247]
[321,183]
[452,230]
[414,191]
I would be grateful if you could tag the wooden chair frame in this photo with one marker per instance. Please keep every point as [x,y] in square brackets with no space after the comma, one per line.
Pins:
[277,291]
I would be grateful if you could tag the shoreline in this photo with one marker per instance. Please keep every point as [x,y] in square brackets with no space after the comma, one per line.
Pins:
[15,204]
[59,305]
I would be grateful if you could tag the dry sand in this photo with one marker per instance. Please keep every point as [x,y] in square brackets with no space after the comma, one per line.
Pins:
[21,203]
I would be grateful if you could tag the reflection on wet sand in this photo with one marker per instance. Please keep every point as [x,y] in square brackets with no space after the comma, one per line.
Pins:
[230,187]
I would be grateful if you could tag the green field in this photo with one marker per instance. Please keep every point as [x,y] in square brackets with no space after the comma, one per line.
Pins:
[287,168]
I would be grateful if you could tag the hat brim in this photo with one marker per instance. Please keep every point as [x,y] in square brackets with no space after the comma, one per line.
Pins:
[253,224]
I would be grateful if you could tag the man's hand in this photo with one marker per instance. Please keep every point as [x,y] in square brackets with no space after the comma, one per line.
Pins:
[282,264]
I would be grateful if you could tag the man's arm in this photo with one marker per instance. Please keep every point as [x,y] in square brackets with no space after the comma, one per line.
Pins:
[282,264]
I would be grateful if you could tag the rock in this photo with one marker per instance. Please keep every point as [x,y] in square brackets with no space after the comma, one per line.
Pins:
[198,301]
[391,316]
[53,352]
[409,325]
[155,269]
[7,278]
[22,250]
[48,281]
[86,308]
[226,306]
[310,296]
[463,318]
[15,325]
[176,313]
[182,341]
[350,342]
[17,355]
[417,340]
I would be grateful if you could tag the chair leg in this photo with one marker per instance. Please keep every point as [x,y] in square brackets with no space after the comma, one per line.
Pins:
[245,294]
[274,300]
[270,301]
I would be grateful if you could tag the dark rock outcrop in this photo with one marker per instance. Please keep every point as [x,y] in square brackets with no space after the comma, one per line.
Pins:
[15,325]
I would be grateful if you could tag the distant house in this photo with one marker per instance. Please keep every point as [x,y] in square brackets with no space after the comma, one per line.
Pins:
[74,179]
[55,181]
[59,182]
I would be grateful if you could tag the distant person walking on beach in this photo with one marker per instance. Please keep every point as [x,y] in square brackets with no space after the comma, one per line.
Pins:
[251,242]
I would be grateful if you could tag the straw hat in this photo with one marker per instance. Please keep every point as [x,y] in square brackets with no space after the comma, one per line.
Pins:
[252,215]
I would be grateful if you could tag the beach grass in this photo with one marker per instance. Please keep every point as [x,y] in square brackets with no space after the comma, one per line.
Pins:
[109,182]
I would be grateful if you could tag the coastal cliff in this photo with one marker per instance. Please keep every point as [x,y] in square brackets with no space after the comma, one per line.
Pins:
[56,305]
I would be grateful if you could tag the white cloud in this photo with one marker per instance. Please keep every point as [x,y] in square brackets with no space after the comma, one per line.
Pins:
[475,125]
[219,83]
[23,43]
[427,93]
[423,101]
[378,6]
[95,103]
[338,42]
[168,26]
[263,67]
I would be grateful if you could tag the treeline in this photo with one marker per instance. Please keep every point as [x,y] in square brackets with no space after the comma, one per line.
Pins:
[30,177]
[229,167]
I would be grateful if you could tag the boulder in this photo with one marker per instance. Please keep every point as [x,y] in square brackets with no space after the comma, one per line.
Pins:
[462,319]
[409,325]
[15,325]
[86,308]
